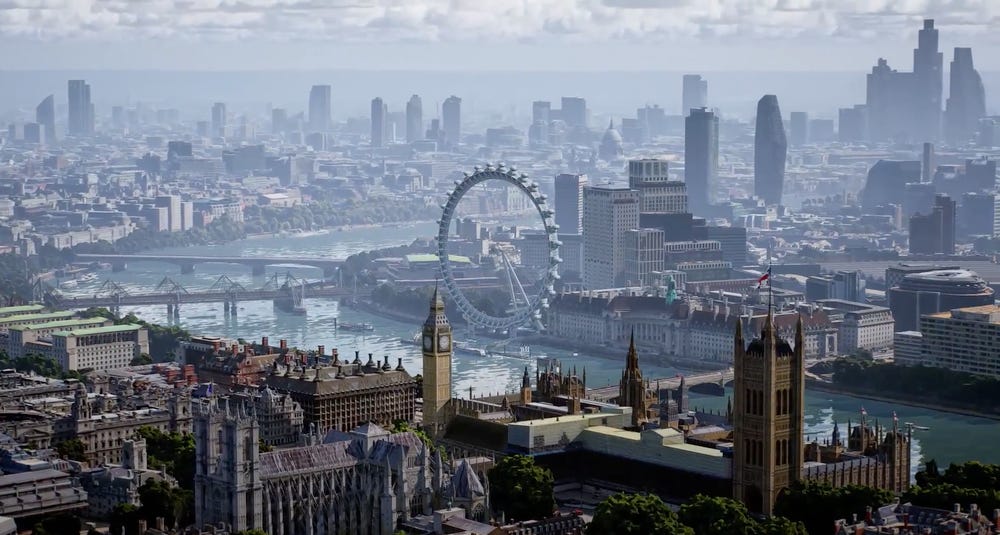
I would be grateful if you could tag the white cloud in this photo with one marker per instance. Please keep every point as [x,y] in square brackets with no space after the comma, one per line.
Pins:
[385,21]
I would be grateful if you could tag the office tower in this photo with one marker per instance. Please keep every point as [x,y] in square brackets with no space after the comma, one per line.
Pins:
[769,151]
[657,193]
[172,203]
[928,76]
[853,124]
[918,198]
[890,103]
[798,129]
[643,256]
[451,120]
[45,116]
[653,120]
[886,180]
[219,119]
[380,112]
[979,215]
[989,132]
[980,174]
[541,116]
[33,133]
[279,120]
[694,93]
[926,162]
[934,233]
[966,100]
[414,119]
[81,109]
[319,108]
[609,212]
[179,149]
[768,415]
[701,158]
[569,202]
[574,111]
[929,291]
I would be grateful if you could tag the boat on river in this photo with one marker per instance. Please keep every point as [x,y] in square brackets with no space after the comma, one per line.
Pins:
[355,327]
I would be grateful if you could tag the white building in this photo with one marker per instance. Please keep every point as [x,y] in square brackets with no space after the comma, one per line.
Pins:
[643,255]
[608,214]
[863,326]
[99,348]
[657,192]
[963,339]
[907,348]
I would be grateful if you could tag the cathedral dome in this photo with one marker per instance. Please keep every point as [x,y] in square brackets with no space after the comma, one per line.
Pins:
[611,144]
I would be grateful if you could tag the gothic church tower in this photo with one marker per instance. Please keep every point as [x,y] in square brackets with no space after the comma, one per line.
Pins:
[437,366]
[768,426]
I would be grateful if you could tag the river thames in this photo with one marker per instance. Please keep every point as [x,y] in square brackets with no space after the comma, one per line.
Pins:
[950,437]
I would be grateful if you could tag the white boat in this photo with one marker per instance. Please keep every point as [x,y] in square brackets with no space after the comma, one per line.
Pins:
[70,283]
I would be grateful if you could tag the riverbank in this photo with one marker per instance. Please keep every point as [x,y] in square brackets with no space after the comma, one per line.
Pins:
[822,386]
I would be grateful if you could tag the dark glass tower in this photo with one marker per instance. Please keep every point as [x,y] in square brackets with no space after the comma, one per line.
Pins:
[928,75]
[769,151]
[966,99]
[701,158]
[380,112]
[451,120]
[319,108]
[45,115]
[81,109]
[414,119]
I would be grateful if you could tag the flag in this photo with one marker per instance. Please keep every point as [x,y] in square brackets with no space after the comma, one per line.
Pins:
[894,417]
[863,411]
[764,277]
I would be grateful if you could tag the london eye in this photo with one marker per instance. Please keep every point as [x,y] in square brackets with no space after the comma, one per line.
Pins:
[525,309]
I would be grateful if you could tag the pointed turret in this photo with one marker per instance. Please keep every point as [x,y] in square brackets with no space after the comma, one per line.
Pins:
[526,379]
[800,339]
[836,434]
[632,360]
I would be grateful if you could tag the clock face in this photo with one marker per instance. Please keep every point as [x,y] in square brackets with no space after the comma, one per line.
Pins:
[444,342]
[428,343]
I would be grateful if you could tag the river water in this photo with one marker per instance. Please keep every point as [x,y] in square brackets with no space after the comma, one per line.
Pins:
[950,437]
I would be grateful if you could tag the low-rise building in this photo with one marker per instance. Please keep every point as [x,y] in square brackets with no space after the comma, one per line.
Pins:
[963,339]
[862,326]
[39,493]
[98,348]
[21,340]
[118,483]
[907,348]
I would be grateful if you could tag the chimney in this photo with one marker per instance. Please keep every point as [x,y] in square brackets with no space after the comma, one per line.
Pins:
[957,508]
[321,350]
[236,349]
[868,515]
[263,342]
[142,527]
[161,524]
[335,356]
[284,344]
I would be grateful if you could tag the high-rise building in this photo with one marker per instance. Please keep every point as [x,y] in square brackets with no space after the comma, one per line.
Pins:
[219,119]
[929,292]
[173,205]
[979,215]
[890,103]
[966,100]
[319,108]
[768,415]
[609,212]
[657,193]
[33,133]
[853,124]
[934,233]
[81,109]
[380,118]
[769,151]
[886,180]
[701,158]
[928,74]
[798,129]
[451,120]
[694,93]
[279,120]
[45,116]
[644,256]
[569,202]
[437,365]
[574,112]
[414,119]
[541,116]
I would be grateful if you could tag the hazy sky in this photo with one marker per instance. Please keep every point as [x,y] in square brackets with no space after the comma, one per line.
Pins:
[486,34]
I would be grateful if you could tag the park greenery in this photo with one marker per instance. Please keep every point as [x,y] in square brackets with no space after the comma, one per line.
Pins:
[967,483]
[73,449]
[520,489]
[921,384]
[159,499]
[58,524]
[818,505]
[163,339]
[223,229]
[635,514]
[326,214]
[172,452]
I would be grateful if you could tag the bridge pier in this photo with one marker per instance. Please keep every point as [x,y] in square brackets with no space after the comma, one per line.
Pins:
[118,267]
[229,307]
[258,270]
[329,272]
[187,268]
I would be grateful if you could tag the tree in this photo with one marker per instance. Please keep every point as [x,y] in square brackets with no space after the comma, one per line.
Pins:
[162,500]
[123,517]
[173,452]
[521,489]
[264,447]
[635,514]
[141,360]
[779,525]
[819,505]
[73,449]
[58,524]
[714,515]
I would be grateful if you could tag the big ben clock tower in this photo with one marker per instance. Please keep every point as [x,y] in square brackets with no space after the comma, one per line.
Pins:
[437,365]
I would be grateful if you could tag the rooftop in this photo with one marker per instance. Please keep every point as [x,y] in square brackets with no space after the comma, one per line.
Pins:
[61,323]
[62,314]
[21,309]
[418,258]
[100,330]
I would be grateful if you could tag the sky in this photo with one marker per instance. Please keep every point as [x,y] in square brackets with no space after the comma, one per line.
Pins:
[541,35]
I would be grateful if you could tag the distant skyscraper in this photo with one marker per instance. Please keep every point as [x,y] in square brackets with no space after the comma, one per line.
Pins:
[219,119]
[853,124]
[934,233]
[769,151]
[798,128]
[451,120]
[414,119]
[657,193]
[574,111]
[319,108]
[966,99]
[928,75]
[279,120]
[541,116]
[694,93]
[569,202]
[608,214]
[81,109]
[701,158]
[380,112]
[33,133]
[45,116]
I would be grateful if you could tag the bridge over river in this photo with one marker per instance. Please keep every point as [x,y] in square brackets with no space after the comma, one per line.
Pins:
[609,393]
[258,264]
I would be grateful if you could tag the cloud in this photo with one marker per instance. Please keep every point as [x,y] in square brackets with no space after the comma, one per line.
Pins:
[382,21]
